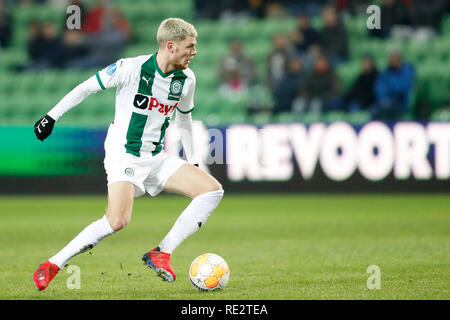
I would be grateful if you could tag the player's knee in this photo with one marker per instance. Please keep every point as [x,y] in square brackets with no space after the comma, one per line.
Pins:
[118,223]
[217,187]
[118,220]
[213,186]
[216,190]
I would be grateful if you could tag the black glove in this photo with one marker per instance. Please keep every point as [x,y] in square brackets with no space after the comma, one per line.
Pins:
[43,127]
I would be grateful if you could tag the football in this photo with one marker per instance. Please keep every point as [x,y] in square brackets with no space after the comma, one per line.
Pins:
[209,272]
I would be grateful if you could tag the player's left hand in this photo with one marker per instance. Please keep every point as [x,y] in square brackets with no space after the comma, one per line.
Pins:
[43,127]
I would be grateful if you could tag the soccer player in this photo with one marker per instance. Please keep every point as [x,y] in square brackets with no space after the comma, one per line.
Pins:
[150,89]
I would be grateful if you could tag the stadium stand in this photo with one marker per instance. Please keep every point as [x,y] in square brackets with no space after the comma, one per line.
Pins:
[27,95]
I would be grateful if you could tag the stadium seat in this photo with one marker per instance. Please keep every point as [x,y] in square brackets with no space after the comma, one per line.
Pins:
[307,117]
[440,115]
[348,73]
[357,27]
[46,88]
[358,117]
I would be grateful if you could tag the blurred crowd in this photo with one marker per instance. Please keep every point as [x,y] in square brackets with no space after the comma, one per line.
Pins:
[5,25]
[103,36]
[301,68]
[302,65]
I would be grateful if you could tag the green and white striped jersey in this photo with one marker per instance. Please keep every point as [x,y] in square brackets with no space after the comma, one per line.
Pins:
[146,99]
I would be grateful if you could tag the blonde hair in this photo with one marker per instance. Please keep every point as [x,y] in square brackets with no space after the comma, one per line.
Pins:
[174,29]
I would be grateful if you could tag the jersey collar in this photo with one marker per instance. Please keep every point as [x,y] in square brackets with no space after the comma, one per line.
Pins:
[162,74]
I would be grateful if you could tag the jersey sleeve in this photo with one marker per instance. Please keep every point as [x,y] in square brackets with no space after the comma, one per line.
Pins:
[74,97]
[186,104]
[113,75]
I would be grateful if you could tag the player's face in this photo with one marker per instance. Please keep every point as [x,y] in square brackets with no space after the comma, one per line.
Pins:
[184,51]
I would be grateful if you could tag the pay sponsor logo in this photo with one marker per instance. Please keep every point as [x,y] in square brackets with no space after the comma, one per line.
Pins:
[149,103]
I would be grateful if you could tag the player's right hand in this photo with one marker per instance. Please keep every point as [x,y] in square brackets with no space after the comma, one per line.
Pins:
[43,127]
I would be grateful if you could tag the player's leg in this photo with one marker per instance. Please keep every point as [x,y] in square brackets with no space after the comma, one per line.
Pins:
[206,193]
[191,181]
[120,204]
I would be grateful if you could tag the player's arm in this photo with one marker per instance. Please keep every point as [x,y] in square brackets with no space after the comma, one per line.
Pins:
[183,121]
[44,126]
[106,78]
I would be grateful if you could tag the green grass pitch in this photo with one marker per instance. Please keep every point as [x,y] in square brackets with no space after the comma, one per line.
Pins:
[277,247]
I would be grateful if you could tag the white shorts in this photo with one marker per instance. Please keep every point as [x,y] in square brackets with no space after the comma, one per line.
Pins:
[148,175]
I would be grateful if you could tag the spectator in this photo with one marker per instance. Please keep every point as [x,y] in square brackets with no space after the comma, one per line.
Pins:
[43,45]
[333,36]
[237,70]
[105,33]
[229,9]
[346,6]
[309,59]
[276,10]
[393,88]
[257,8]
[362,92]
[393,12]
[425,21]
[427,14]
[72,49]
[35,44]
[278,59]
[207,9]
[47,49]
[104,17]
[26,2]
[305,35]
[286,90]
[320,90]
[52,43]
[5,26]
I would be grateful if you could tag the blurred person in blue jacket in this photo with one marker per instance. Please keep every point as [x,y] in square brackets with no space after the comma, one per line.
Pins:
[393,88]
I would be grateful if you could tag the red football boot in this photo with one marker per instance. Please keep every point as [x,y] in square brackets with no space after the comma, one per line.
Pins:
[160,262]
[44,274]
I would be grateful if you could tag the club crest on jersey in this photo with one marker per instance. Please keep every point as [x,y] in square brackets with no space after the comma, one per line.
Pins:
[176,87]
[129,172]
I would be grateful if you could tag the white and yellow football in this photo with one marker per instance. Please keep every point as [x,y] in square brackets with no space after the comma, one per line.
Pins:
[209,272]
